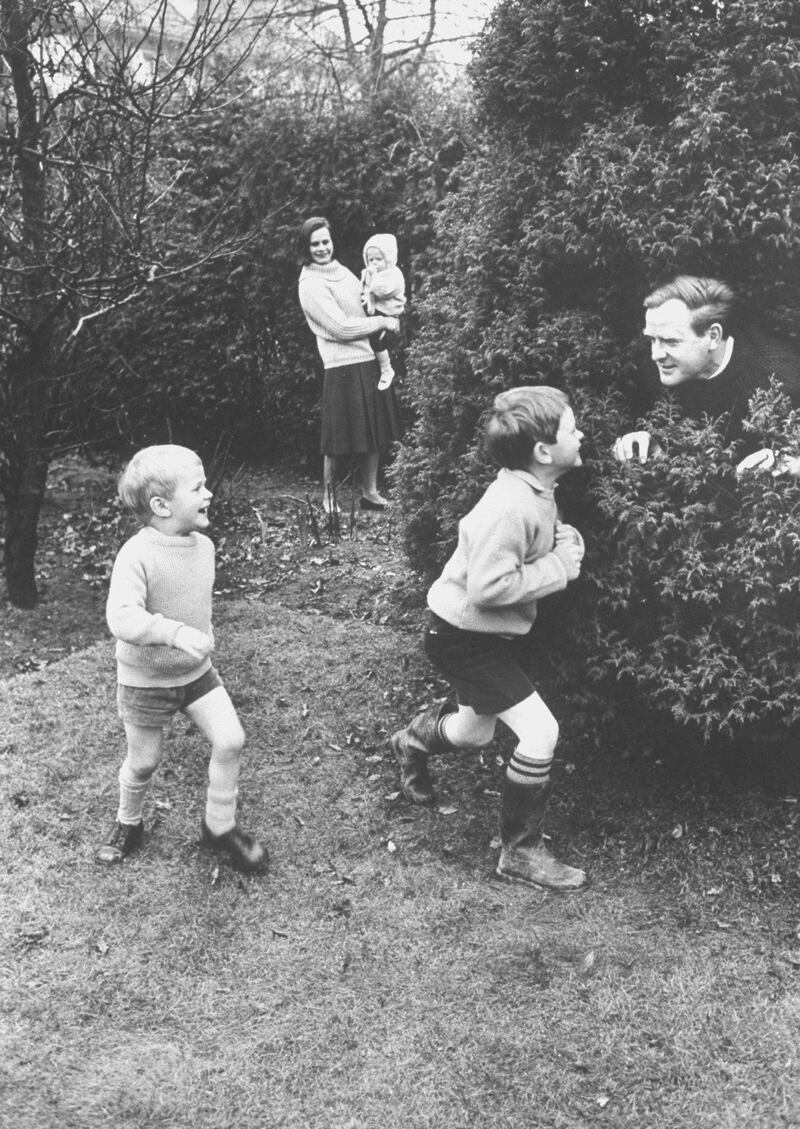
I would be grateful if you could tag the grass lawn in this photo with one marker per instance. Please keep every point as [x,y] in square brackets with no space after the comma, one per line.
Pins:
[378,977]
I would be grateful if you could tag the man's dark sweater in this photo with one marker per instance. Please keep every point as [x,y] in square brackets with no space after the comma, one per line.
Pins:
[755,359]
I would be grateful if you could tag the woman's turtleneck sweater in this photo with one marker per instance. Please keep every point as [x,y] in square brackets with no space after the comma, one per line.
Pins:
[330,296]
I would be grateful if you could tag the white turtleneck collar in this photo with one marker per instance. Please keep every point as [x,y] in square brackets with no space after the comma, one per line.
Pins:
[332,270]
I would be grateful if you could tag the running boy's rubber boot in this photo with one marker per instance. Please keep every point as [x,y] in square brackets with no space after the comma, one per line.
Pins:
[412,747]
[125,838]
[243,849]
[524,857]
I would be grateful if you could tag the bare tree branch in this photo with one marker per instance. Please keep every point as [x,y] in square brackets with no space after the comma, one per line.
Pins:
[89,182]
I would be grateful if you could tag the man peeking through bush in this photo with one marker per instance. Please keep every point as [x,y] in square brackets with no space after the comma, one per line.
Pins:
[712,365]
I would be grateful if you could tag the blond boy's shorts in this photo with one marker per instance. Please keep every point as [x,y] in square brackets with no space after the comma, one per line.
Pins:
[153,707]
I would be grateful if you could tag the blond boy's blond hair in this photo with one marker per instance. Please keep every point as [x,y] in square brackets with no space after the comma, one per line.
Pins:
[152,473]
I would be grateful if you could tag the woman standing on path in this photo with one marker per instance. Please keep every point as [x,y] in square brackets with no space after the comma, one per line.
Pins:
[358,421]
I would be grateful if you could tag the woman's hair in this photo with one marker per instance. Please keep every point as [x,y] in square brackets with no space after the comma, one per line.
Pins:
[521,418]
[307,229]
[152,473]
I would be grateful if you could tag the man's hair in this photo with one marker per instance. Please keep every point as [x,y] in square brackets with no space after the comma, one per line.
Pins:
[708,300]
[151,473]
[521,418]
[307,229]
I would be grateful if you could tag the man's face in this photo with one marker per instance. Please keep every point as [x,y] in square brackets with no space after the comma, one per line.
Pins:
[680,353]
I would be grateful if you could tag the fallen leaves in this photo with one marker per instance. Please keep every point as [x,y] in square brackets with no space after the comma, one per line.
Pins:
[588,964]
[34,935]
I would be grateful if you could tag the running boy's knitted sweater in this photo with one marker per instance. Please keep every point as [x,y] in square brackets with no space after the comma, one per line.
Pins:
[503,562]
[159,583]
[330,296]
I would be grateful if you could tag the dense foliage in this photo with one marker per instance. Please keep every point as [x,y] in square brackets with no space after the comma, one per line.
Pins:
[226,350]
[623,143]
[616,144]
[84,224]
[691,601]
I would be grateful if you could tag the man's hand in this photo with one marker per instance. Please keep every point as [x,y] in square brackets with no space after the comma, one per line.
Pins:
[633,445]
[788,465]
[758,460]
[779,466]
[193,642]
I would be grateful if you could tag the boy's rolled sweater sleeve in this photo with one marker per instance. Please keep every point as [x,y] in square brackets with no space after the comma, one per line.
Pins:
[159,584]
[126,608]
[504,561]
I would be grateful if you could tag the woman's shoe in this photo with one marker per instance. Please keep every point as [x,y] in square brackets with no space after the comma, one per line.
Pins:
[368,504]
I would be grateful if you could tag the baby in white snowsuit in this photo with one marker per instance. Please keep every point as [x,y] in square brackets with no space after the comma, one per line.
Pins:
[383,291]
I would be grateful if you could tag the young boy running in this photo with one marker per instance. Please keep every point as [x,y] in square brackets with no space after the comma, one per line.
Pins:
[159,609]
[512,550]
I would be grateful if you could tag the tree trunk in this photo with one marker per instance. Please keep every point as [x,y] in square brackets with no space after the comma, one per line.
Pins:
[27,476]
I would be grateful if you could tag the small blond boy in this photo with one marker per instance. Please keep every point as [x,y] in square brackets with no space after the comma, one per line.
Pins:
[159,610]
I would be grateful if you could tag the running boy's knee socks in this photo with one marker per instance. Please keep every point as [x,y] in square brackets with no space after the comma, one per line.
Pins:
[530,773]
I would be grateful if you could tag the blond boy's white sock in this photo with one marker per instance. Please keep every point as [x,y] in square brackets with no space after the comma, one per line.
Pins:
[220,811]
[132,795]
[223,777]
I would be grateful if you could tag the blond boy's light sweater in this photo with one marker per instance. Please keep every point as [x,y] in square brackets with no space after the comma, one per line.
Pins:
[159,584]
[330,296]
[504,561]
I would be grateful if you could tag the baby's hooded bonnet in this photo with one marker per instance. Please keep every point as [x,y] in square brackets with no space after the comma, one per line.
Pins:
[386,244]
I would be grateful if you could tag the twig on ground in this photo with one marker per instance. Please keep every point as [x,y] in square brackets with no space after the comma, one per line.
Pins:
[262,524]
[312,517]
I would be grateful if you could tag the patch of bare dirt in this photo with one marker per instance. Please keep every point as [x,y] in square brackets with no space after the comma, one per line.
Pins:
[274,543]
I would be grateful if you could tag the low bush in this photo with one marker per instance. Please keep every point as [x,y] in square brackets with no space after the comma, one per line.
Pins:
[692,595]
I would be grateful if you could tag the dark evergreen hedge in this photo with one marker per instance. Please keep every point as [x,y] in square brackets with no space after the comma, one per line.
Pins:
[623,143]
[226,349]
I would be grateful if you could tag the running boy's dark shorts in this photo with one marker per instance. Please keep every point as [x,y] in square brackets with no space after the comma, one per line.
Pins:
[490,673]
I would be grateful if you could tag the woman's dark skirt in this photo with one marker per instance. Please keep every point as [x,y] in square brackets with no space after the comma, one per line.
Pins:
[356,417]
